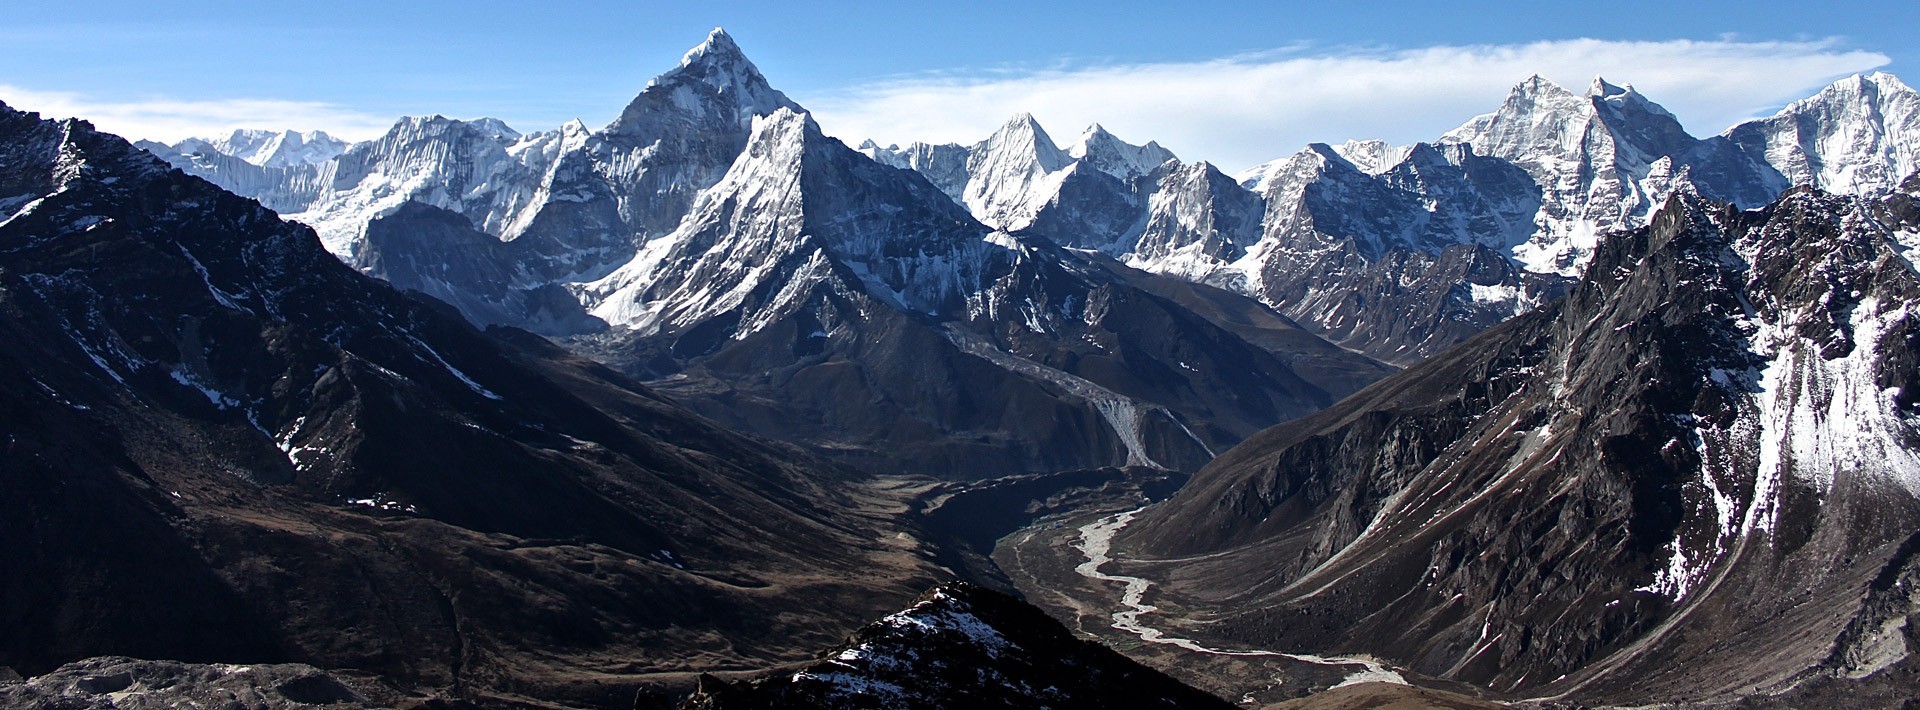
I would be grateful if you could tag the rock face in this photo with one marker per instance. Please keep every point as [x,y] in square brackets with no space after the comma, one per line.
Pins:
[1709,447]
[1859,136]
[114,683]
[960,646]
[225,445]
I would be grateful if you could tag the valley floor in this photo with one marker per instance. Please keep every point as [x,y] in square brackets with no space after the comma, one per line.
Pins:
[1061,563]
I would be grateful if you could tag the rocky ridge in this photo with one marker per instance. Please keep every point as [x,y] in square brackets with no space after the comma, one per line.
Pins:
[1705,449]
[960,646]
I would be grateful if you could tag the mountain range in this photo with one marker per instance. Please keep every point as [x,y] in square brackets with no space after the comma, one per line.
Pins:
[1396,252]
[1566,406]
[714,241]
[1462,233]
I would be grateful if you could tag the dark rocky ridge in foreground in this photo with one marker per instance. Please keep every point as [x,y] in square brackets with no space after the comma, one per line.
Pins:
[110,683]
[224,445]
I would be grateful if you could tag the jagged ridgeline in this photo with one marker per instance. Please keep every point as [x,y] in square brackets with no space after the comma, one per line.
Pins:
[1402,251]
[714,241]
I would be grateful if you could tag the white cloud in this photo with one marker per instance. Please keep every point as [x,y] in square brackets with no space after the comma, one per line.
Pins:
[1243,110]
[169,120]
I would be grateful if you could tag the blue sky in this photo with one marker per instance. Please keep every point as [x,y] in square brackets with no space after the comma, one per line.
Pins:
[1233,82]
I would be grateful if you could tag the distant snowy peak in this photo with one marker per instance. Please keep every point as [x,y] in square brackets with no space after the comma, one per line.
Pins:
[461,166]
[1591,157]
[1102,151]
[274,149]
[1022,140]
[1860,135]
[1372,156]
[1537,120]
[1013,174]
[490,128]
[1542,120]
[1197,220]
[944,164]
[496,128]
[796,211]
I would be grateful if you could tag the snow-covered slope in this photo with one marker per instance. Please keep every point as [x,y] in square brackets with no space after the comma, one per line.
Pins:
[1091,195]
[277,149]
[1859,136]
[479,169]
[711,233]
[1535,181]
[1013,173]
[1589,155]
[1106,153]
[227,445]
[785,211]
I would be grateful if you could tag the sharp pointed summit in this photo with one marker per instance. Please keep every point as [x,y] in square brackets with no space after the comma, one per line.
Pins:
[714,78]
[1539,84]
[1602,89]
[1107,153]
[1008,173]
[718,43]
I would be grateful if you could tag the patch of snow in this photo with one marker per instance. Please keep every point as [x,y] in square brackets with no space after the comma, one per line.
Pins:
[462,376]
[218,399]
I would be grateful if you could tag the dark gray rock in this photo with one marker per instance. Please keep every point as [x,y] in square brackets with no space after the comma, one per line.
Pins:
[119,683]
[960,646]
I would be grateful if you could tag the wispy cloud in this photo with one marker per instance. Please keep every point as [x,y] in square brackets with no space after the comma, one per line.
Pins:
[1238,111]
[164,119]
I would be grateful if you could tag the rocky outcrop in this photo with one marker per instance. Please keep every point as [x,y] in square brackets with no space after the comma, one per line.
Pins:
[118,683]
[960,646]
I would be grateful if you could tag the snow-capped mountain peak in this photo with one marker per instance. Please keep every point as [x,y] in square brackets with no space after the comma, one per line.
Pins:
[1013,173]
[793,210]
[1372,156]
[495,127]
[713,78]
[718,42]
[1601,88]
[1532,105]
[1022,134]
[1859,135]
[273,149]
[1105,152]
